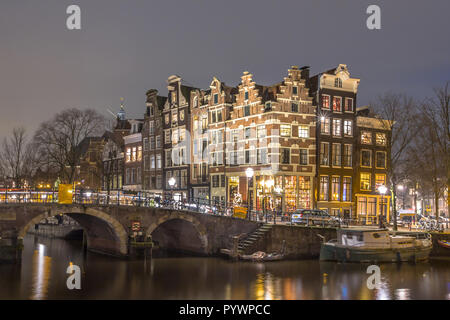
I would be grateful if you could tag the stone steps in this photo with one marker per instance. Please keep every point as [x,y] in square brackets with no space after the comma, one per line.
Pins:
[253,237]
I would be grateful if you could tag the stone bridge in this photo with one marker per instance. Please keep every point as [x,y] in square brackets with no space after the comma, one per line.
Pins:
[108,228]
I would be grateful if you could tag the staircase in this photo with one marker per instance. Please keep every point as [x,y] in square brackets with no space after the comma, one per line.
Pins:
[248,242]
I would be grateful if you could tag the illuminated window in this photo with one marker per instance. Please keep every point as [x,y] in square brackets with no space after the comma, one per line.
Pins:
[285,130]
[324,125]
[139,153]
[323,194]
[381,159]
[366,137]
[325,101]
[366,158]
[133,154]
[337,103]
[182,134]
[128,158]
[303,131]
[365,181]
[337,127]
[347,189]
[261,132]
[182,115]
[335,186]
[348,128]
[167,118]
[381,139]
[167,136]
[338,83]
[380,180]
[174,117]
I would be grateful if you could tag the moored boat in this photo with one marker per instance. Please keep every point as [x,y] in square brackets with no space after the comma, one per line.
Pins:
[444,244]
[376,245]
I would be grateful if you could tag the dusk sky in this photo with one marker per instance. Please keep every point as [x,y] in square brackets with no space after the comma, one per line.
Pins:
[127,47]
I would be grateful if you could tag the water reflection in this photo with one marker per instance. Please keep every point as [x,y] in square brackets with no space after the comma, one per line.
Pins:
[43,276]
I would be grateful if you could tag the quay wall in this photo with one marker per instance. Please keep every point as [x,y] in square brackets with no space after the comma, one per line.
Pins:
[54,231]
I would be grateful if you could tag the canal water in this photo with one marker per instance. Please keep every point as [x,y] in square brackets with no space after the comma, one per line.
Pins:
[42,275]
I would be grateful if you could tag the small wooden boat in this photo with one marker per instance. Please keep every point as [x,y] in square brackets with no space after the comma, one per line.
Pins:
[376,245]
[444,244]
[261,256]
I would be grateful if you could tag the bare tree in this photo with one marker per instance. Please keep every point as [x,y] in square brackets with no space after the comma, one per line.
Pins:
[15,156]
[398,110]
[60,137]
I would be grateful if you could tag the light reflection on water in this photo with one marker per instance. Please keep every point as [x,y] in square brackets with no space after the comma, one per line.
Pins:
[42,275]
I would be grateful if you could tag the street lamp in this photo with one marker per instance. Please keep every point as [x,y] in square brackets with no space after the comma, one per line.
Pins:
[382,190]
[249,173]
[172,182]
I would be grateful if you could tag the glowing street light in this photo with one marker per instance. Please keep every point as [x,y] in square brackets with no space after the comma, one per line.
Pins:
[172,182]
[382,190]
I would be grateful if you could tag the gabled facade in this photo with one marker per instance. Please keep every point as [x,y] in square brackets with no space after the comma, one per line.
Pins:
[335,93]
[176,127]
[133,156]
[152,142]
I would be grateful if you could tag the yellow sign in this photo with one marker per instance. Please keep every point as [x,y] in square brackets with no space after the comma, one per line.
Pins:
[240,212]
[65,193]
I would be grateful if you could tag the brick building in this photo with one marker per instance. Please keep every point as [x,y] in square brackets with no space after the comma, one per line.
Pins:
[133,156]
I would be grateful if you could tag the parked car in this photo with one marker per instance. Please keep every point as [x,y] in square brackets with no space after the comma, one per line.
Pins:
[314,217]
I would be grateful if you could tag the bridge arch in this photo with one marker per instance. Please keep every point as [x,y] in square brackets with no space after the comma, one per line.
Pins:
[116,230]
[187,218]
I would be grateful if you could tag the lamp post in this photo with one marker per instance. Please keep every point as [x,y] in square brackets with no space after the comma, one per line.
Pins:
[382,190]
[249,173]
[172,182]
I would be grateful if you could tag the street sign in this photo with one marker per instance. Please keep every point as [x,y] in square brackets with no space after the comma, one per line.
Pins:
[240,212]
[65,193]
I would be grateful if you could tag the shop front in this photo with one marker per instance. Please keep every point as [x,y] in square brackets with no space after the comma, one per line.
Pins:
[370,207]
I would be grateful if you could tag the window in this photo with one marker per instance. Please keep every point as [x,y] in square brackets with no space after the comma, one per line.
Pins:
[247,156]
[285,130]
[324,154]
[151,127]
[167,118]
[145,143]
[246,95]
[380,180]
[285,156]
[182,115]
[335,186]
[304,157]
[182,134]
[294,107]
[337,104]
[325,101]
[139,153]
[168,158]
[158,161]
[268,106]
[323,194]
[338,83]
[246,111]
[146,163]
[366,137]
[216,98]
[262,156]
[381,159]
[133,154]
[167,136]
[215,181]
[195,102]
[303,131]
[324,125]
[347,189]
[349,104]
[347,156]
[337,127]
[336,152]
[247,133]
[381,139]
[365,181]
[159,181]
[294,90]
[152,162]
[174,117]
[158,141]
[348,127]
[366,158]
[152,143]
[261,132]
[175,136]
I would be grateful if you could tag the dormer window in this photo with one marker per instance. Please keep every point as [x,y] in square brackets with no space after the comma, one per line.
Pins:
[268,106]
[338,83]
[216,98]
[295,90]
[246,95]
